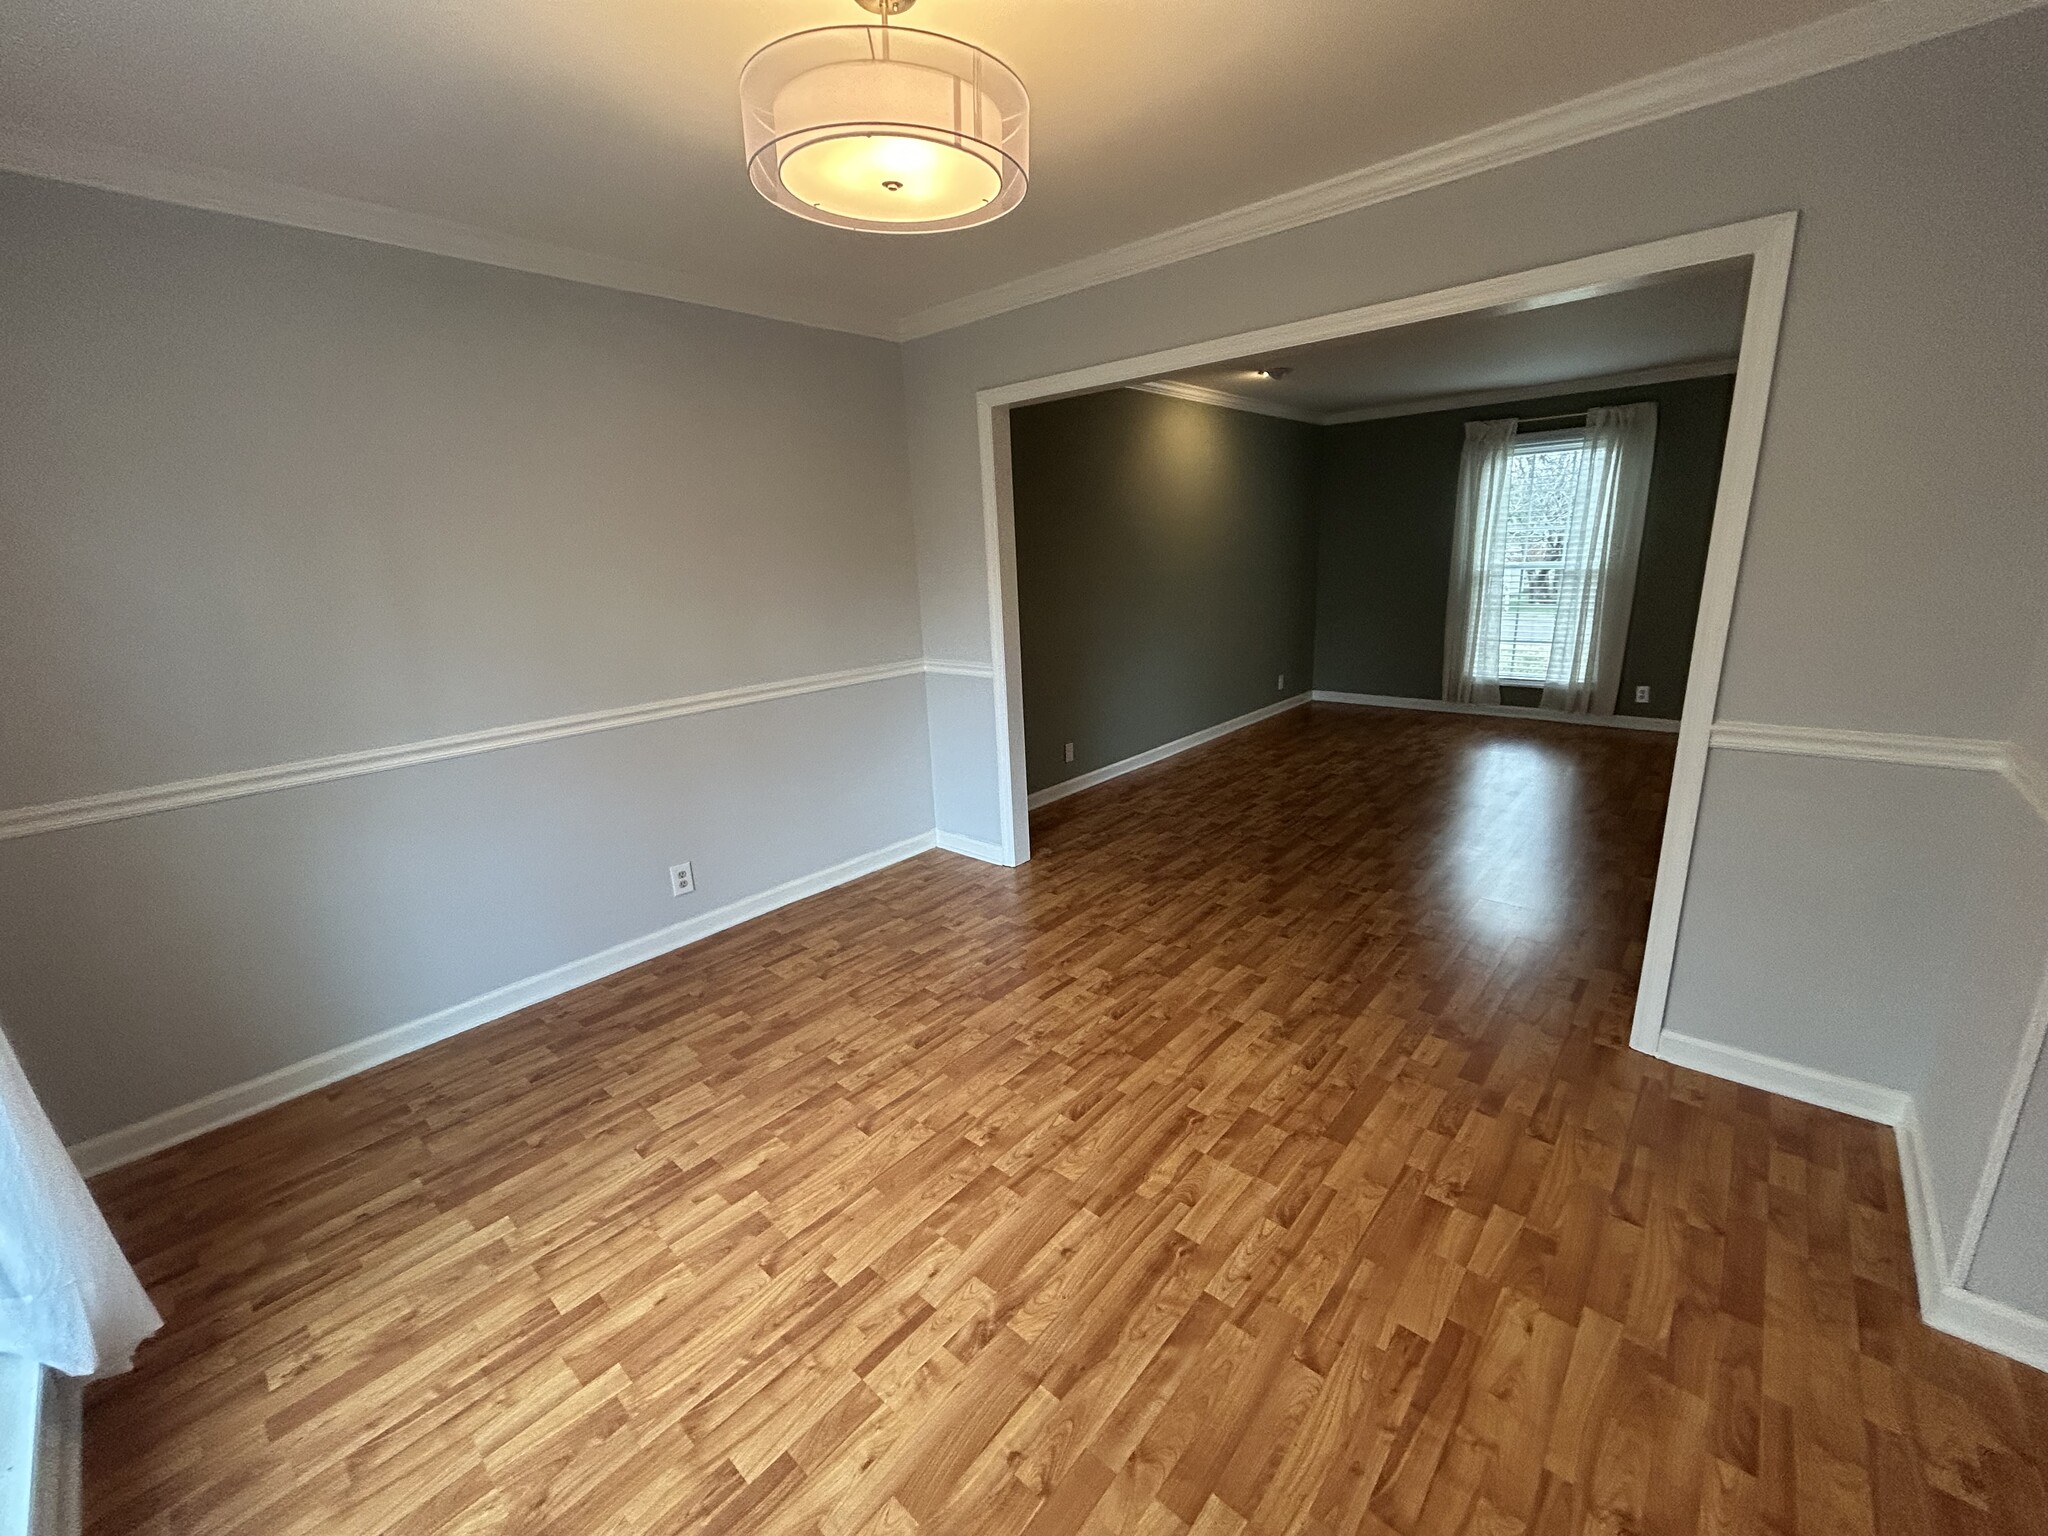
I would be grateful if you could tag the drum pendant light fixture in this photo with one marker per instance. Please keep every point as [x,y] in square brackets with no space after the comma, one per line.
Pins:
[885,128]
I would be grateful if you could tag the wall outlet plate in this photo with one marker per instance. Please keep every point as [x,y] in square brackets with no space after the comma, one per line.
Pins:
[1070,751]
[680,881]
[1280,685]
[1642,693]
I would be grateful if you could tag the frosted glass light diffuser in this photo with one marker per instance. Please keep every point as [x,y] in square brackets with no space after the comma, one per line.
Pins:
[885,128]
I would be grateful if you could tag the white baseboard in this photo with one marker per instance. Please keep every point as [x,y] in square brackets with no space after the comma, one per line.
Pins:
[1497,711]
[2007,1330]
[1944,1305]
[1923,1218]
[973,848]
[241,1100]
[1809,1085]
[1159,754]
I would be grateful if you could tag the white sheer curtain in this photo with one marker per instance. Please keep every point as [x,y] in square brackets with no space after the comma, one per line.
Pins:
[1597,582]
[68,1299]
[1472,617]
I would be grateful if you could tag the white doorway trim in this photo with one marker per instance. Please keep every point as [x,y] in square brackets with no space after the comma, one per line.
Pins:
[1767,242]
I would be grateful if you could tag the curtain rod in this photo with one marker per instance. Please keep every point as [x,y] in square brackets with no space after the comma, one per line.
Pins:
[1568,416]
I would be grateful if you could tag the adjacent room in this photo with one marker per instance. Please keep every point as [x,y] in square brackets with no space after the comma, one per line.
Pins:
[1500,515]
[1414,518]
[920,767]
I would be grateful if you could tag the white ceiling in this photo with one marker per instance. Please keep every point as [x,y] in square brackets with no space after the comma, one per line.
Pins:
[1687,318]
[611,127]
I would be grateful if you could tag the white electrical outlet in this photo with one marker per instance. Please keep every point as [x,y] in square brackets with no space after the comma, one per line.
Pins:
[1643,693]
[1280,685]
[1070,751]
[680,881]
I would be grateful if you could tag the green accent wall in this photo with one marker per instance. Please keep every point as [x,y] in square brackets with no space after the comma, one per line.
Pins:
[1386,496]
[1165,571]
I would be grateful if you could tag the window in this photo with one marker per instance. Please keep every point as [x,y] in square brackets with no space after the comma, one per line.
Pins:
[1543,558]
[1544,491]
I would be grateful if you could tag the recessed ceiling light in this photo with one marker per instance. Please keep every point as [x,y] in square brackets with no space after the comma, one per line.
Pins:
[1272,373]
[885,128]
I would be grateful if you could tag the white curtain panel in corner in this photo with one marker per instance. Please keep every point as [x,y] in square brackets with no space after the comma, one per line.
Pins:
[1597,583]
[1473,614]
[68,1299]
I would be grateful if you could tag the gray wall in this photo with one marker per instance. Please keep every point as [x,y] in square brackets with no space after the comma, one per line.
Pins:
[1888,924]
[1985,993]
[1890,464]
[1827,906]
[1174,560]
[1165,571]
[2027,726]
[1386,501]
[2012,1260]
[1893,463]
[269,494]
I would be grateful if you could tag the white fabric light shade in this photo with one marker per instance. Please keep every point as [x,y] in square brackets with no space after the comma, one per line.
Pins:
[885,128]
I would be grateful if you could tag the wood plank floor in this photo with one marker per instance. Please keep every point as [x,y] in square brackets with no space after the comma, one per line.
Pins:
[1265,1156]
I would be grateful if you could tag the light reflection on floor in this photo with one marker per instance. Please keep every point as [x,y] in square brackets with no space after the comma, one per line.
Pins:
[1513,868]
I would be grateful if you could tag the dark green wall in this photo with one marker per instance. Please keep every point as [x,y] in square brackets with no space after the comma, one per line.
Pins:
[1386,495]
[1165,571]
[1174,559]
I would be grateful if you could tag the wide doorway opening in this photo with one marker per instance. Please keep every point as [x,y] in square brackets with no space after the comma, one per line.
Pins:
[1524,500]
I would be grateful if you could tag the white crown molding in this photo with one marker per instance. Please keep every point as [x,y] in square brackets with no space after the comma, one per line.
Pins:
[120,804]
[239,1101]
[1670,373]
[1498,711]
[981,669]
[1223,399]
[1846,37]
[166,181]
[1862,746]
[1161,753]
